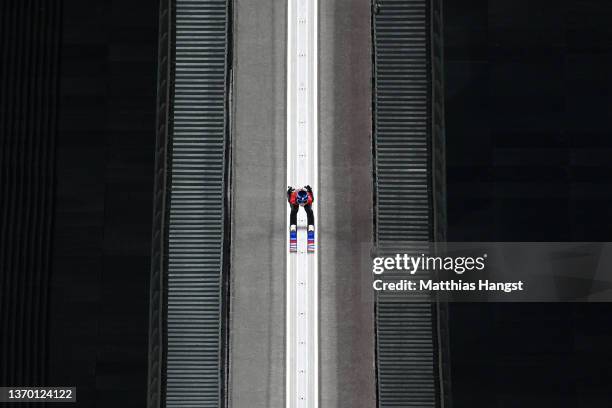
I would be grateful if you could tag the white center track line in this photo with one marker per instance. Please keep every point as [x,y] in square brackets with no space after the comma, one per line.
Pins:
[302,320]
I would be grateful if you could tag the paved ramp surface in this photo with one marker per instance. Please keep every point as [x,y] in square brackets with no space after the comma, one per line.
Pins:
[257,305]
[257,361]
[346,320]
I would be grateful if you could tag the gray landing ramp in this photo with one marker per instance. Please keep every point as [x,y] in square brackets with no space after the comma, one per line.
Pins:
[258,231]
[257,319]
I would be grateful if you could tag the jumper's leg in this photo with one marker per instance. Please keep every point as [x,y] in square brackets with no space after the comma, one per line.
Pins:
[293,228]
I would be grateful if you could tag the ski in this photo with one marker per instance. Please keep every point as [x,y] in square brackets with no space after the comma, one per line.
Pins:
[293,239]
[311,239]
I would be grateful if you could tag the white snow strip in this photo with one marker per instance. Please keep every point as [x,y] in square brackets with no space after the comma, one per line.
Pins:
[302,348]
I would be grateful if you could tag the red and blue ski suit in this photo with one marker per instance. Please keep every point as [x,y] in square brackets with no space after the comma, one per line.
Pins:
[292,198]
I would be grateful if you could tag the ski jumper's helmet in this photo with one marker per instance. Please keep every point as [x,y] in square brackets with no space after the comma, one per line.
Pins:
[302,197]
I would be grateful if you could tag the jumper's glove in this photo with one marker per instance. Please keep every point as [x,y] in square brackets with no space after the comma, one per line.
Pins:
[289,191]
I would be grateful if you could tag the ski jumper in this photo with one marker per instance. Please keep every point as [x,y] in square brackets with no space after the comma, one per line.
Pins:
[306,202]
[295,207]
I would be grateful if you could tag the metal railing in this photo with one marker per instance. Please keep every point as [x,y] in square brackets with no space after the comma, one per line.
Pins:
[409,191]
[187,329]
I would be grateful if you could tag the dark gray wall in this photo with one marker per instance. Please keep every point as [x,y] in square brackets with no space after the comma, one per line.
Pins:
[529,149]
[29,59]
[102,232]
